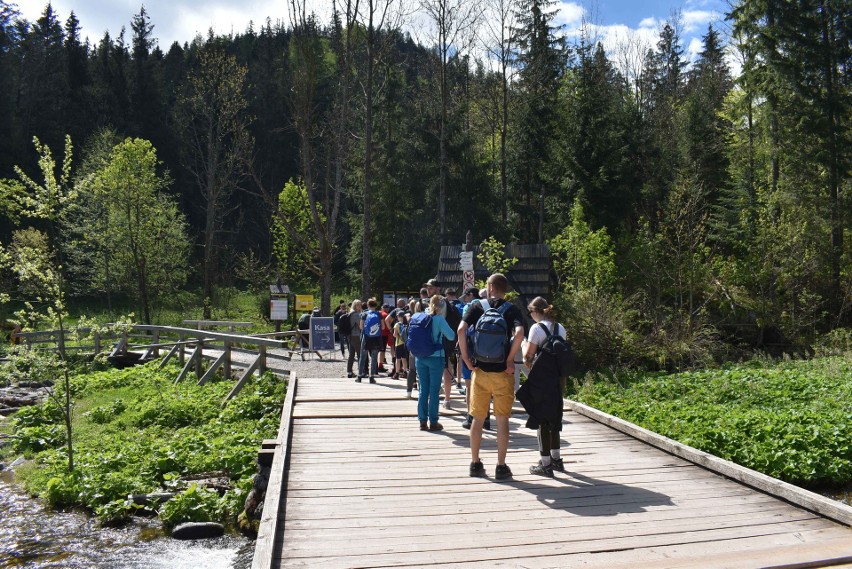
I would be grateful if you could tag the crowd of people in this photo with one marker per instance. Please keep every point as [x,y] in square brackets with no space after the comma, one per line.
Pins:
[437,341]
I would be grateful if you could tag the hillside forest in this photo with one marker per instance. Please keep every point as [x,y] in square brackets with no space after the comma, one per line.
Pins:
[695,210]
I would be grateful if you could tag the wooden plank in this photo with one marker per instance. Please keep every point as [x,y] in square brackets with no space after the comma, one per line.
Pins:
[244,379]
[213,368]
[462,551]
[404,498]
[187,367]
[793,494]
[265,551]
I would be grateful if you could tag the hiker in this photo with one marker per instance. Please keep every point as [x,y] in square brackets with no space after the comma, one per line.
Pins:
[387,338]
[425,332]
[342,339]
[371,341]
[498,333]
[453,319]
[391,321]
[414,306]
[400,335]
[471,295]
[354,318]
[304,326]
[545,378]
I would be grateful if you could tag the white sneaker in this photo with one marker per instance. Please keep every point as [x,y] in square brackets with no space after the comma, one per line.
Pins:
[409,395]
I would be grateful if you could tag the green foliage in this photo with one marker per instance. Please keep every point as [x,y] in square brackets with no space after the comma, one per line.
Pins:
[295,241]
[789,420]
[583,259]
[144,237]
[194,504]
[492,255]
[136,432]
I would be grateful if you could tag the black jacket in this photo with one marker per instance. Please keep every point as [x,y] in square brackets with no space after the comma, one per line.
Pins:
[541,394]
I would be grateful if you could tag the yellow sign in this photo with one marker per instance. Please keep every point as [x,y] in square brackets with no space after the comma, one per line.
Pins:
[304,303]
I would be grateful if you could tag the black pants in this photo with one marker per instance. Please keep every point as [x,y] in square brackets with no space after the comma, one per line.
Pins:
[548,438]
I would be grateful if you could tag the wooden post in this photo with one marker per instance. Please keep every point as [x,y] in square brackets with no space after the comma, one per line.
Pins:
[199,352]
[97,340]
[261,367]
[226,369]
[126,342]
[182,350]
[156,353]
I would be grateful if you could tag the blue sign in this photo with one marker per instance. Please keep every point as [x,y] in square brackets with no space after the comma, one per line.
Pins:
[322,334]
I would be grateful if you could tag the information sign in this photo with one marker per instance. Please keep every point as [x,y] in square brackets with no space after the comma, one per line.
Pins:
[466,261]
[322,334]
[278,309]
[389,298]
[304,303]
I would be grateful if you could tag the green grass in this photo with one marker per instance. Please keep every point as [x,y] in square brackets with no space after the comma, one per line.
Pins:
[136,432]
[791,420]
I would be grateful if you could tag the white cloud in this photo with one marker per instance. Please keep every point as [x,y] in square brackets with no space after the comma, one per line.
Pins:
[695,19]
[569,14]
[696,46]
[649,23]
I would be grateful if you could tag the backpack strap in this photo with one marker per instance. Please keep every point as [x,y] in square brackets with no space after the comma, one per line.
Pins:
[484,303]
[547,333]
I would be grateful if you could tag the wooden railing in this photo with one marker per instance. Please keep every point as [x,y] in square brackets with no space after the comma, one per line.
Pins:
[188,345]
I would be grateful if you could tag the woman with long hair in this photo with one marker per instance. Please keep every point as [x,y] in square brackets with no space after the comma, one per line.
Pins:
[548,429]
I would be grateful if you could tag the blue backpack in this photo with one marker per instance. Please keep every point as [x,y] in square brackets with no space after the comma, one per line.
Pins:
[373,324]
[491,335]
[420,341]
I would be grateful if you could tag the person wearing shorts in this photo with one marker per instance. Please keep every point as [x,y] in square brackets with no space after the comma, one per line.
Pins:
[492,380]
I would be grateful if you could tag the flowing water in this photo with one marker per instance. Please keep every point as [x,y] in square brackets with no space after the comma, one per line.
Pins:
[32,536]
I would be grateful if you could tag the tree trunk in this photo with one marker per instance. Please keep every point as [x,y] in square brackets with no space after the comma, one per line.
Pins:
[366,284]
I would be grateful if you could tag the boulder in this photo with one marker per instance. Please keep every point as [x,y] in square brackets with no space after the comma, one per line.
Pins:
[198,530]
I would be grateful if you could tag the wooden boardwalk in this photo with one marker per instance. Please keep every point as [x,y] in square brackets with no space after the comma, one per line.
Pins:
[359,485]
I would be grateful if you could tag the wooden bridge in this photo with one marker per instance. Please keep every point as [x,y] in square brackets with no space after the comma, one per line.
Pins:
[355,483]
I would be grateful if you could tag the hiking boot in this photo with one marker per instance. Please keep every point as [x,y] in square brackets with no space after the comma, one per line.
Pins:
[542,470]
[557,464]
[477,470]
[357,380]
[423,426]
[467,420]
[372,380]
[350,375]
[436,427]
[503,472]
[394,376]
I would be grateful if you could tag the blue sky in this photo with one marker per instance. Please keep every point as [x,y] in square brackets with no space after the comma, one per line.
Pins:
[617,23]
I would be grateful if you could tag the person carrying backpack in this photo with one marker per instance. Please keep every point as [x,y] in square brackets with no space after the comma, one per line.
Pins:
[371,341]
[343,339]
[425,333]
[544,389]
[354,327]
[498,331]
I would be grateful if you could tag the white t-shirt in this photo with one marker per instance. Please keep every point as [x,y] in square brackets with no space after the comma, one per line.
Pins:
[538,336]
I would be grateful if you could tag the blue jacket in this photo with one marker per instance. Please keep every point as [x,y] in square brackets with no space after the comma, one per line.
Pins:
[441,328]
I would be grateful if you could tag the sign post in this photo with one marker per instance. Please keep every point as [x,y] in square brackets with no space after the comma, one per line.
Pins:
[279,304]
[466,267]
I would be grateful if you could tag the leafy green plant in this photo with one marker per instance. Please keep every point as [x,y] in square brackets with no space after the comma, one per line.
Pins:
[174,431]
[194,504]
[790,420]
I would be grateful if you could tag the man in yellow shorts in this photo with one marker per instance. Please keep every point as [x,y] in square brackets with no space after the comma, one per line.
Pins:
[497,332]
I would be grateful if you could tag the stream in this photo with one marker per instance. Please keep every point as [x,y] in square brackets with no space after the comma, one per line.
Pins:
[33,536]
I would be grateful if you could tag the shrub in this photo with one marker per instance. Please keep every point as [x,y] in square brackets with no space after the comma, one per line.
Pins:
[195,504]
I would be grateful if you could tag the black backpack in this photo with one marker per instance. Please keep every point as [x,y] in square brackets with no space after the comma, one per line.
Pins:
[344,325]
[559,349]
